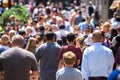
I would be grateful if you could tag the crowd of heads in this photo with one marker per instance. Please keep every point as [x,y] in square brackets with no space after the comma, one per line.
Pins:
[56,17]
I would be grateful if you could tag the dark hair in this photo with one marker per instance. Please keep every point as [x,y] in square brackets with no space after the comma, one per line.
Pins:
[96,15]
[70,37]
[62,27]
[50,35]
[21,32]
[42,28]
[113,33]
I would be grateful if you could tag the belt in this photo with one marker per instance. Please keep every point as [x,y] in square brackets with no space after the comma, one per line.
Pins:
[98,78]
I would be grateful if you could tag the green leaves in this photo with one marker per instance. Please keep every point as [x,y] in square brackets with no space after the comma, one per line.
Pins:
[20,12]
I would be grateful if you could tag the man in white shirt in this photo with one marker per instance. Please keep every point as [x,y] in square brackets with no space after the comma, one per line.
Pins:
[98,60]
[61,32]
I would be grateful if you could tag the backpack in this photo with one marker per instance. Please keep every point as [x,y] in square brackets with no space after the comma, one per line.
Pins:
[114,75]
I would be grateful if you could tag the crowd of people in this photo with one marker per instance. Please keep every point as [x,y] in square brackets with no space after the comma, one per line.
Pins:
[61,42]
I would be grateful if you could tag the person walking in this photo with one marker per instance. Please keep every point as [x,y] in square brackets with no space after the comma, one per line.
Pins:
[17,63]
[47,56]
[69,72]
[97,60]
[70,47]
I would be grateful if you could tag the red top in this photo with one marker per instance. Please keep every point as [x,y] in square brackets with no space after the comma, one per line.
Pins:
[74,49]
[118,56]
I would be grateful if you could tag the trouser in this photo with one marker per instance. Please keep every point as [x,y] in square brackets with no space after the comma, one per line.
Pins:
[98,78]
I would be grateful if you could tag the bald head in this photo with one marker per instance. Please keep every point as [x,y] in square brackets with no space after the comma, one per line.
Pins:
[18,40]
[96,36]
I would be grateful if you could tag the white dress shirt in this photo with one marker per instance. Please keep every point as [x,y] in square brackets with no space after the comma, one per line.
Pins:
[97,61]
[61,33]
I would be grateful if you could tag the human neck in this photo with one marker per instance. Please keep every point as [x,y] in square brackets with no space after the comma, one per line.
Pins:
[69,65]
[71,44]
[50,41]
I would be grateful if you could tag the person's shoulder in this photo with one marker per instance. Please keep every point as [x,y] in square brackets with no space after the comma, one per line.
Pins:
[57,45]
[65,47]
[60,70]
[107,49]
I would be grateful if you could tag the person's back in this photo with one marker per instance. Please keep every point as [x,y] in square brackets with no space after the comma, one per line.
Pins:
[70,47]
[98,60]
[47,53]
[17,64]
[68,72]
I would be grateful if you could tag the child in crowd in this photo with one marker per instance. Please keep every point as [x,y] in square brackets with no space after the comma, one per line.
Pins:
[69,72]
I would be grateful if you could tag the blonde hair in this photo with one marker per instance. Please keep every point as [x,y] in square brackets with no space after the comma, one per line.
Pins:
[5,39]
[69,57]
[106,26]
[31,45]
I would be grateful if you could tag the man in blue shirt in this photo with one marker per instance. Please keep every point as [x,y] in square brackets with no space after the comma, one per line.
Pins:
[98,60]
[86,24]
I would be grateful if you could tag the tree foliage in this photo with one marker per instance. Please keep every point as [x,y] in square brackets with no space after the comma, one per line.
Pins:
[20,12]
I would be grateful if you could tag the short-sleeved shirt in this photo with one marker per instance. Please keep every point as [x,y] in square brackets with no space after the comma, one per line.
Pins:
[68,73]
[47,53]
[3,48]
[74,49]
[17,63]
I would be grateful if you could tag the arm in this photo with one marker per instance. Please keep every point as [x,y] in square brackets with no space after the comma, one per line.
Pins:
[1,75]
[117,57]
[111,60]
[84,65]
[34,75]
[60,65]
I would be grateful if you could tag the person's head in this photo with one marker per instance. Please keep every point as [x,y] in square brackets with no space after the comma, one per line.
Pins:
[25,23]
[80,41]
[87,30]
[90,3]
[106,26]
[103,36]
[62,27]
[96,36]
[18,40]
[96,15]
[50,36]
[70,37]
[115,14]
[22,33]
[28,30]
[8,25]
[31,45]
[69,58]
[11,33]
[76,29]
[5,39]
[88,19]
[12,18]
[53,28]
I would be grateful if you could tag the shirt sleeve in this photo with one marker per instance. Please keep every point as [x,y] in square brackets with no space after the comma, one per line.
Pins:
[111,60]
[79,53]
[84,65]
[34,66]
[60,56]
[37,54]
